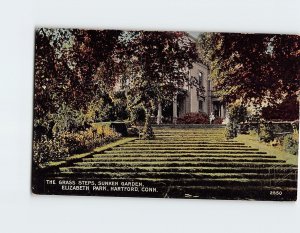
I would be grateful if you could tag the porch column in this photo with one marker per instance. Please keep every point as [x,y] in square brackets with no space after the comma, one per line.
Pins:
[175,110]
[222,111]
[159,114]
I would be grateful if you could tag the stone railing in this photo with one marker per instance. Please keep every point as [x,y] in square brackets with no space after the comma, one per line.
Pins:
[280,128]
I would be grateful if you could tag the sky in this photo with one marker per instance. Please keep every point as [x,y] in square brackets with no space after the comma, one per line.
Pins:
[194,34]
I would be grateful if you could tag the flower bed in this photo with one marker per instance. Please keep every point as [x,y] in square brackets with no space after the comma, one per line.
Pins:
[193,118]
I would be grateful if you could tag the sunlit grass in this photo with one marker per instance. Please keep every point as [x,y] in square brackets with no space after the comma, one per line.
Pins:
[252,140]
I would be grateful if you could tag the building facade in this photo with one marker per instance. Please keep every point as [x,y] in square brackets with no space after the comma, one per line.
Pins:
[194,100]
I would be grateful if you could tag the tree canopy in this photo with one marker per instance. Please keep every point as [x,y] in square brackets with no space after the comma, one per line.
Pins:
[156,66]
[263,69]
[78,68]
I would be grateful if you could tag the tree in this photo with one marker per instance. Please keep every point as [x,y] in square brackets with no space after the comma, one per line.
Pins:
[71,68]
[263,69]
[155,68]
[79,68]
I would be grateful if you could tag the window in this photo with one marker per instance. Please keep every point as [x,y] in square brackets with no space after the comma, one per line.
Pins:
[200,75]
[200,106]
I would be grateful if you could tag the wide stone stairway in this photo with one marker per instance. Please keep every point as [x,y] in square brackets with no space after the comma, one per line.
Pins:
[193,163]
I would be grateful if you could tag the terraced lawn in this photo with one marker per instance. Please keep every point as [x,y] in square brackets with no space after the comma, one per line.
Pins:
[193,163]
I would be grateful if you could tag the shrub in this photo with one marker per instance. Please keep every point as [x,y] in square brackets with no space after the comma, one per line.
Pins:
[266,132]
[295,125]
[83,141]
[133,132]
[120,105]
[148,133]
[193,118]
[230,130]
[119,127]
[64,144]
[290,143]
[49,149]
[237,112]
[137,115]
[218,121]
[253,132]
[243,128]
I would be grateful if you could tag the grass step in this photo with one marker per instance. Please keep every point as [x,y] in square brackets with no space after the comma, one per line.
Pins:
[190,134]
[136,145]
[167,155]
[149,151]
[183,139]
[178,142]
[178,164]
[173,158]
[183,148]
[189,131]
[162,142]
[191,169]
[191,162]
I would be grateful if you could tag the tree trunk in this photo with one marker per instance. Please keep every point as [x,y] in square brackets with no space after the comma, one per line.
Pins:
[148,133]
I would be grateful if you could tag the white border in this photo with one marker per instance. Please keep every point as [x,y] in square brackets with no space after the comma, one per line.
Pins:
[22,212]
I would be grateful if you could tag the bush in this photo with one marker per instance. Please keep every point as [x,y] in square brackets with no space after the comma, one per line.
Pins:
[64,144]
[119,127]
[237,112]
[81,141]
[148,133]
[290,143]
[218,121]
[133,132]
[120,105]
[230,130]
[47,149]
[193,118]
[266,132]
[137,115]
[87,140]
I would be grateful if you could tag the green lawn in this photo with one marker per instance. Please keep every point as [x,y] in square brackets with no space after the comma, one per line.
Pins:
[253,141]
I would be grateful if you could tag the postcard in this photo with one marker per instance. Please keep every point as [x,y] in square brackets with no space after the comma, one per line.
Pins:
[166,114]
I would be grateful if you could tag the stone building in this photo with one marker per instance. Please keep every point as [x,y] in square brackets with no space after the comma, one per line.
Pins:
[194,101]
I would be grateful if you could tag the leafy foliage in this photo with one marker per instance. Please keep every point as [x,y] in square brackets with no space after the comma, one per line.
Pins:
[288,110]
[46,149]
[266,131]
[119,102]
[155,67]
[257,68]
[71,67]
[137,115]
[218,121]
[290,143]
[65,143]
[237,112]
[83,141]
[193,118]
[77,73]
[230,130]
